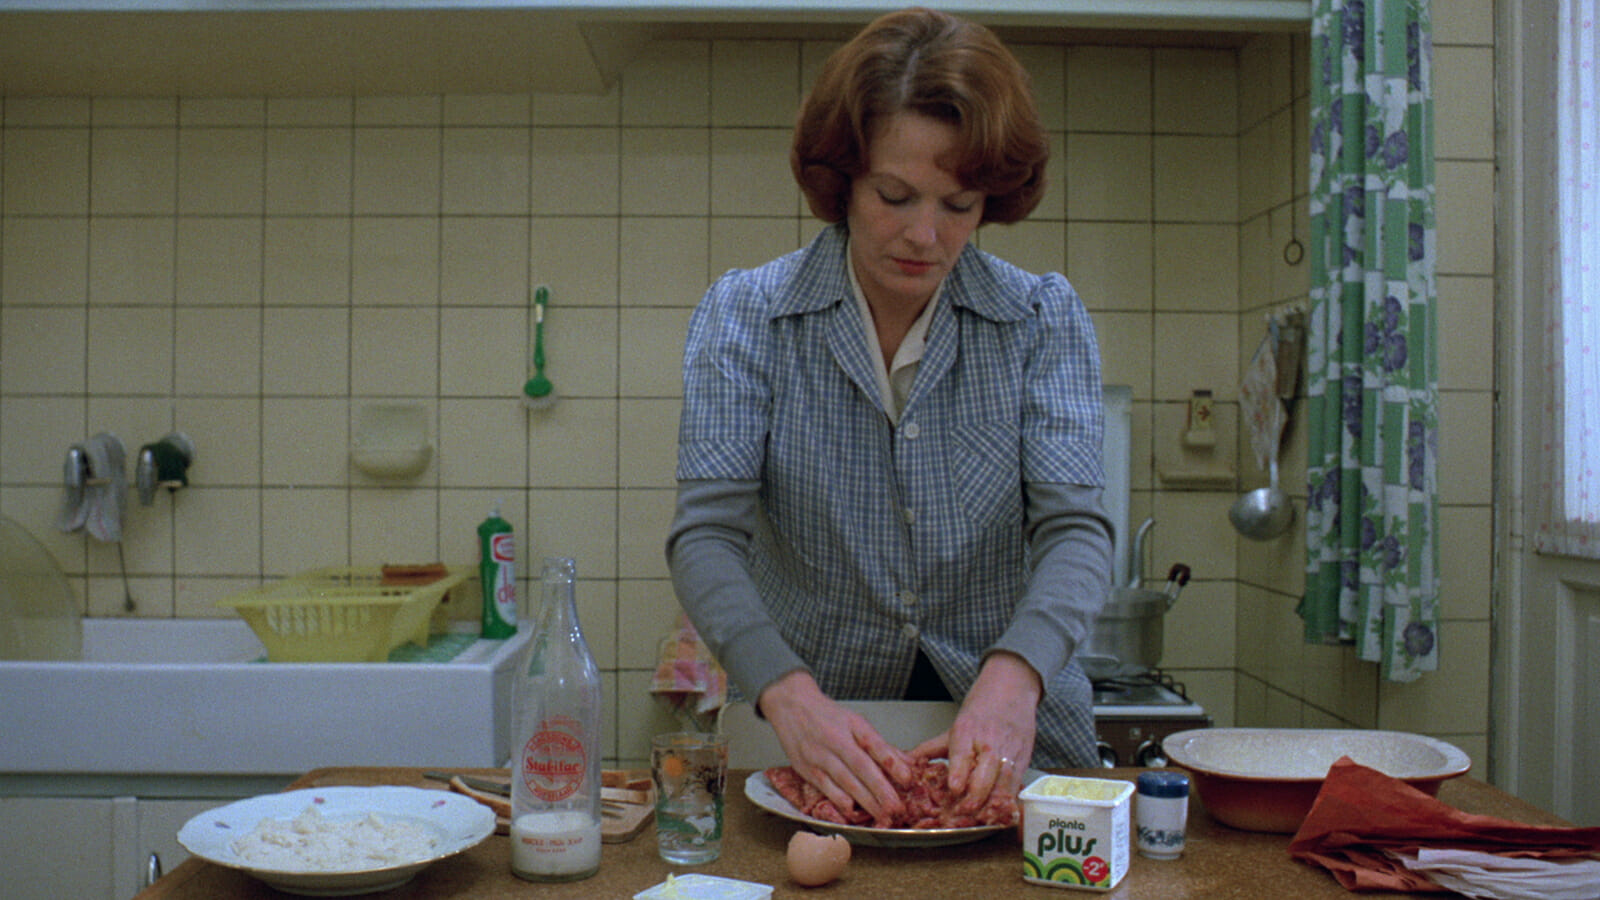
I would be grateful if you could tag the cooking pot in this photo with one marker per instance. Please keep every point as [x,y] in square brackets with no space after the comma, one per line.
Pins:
[1127,638]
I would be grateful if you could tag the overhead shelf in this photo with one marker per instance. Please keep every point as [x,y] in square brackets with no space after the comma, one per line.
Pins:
[337,47]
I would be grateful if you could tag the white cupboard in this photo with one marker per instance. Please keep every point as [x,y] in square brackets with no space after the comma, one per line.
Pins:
[313,48]
[53,847]
[89,848]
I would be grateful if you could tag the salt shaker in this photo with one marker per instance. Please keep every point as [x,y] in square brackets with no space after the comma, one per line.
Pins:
[1162,810]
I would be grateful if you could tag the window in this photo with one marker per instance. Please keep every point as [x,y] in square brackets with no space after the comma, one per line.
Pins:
[1570,519]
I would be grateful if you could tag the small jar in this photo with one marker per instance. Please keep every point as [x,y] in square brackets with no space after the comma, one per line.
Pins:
[1162,813]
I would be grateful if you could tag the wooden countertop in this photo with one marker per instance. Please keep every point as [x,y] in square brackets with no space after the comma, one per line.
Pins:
[1219,862]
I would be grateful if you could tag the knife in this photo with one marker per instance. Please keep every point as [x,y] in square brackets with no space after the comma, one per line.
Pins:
[472,781]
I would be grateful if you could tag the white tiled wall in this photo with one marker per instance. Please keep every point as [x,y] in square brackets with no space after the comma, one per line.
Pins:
[252,271]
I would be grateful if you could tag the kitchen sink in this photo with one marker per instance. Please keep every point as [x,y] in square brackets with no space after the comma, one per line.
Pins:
[194,696]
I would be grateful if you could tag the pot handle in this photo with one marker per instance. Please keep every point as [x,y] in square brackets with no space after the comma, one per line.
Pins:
[1177,577]
[1136,557]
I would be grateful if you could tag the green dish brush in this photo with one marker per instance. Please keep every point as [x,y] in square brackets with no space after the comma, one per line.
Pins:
[538,392]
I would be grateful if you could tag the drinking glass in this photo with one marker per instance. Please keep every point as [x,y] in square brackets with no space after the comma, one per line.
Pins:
[691,772]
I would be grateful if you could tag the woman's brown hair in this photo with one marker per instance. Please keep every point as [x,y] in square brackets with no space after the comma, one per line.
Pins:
[933,64]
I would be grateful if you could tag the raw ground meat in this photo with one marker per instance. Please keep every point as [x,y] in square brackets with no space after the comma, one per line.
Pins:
[926,798]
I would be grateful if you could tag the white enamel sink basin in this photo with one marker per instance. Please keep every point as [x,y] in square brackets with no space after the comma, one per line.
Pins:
[189,696]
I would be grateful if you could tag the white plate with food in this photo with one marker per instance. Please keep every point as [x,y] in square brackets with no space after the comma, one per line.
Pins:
[338,841]
[761,792]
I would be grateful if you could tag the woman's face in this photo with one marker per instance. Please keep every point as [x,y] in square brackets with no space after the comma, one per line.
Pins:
[909,218]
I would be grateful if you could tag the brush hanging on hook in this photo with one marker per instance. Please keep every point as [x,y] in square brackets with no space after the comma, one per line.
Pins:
[539,392]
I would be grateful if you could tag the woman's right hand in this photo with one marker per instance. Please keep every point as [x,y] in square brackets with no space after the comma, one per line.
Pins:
[836,750]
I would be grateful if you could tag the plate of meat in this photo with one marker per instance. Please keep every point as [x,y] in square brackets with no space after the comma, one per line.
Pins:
[929,821]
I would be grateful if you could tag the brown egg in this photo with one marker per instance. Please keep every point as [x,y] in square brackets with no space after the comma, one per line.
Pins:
[815,860]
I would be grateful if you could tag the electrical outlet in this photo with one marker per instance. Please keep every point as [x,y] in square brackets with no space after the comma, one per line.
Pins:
[1200,432]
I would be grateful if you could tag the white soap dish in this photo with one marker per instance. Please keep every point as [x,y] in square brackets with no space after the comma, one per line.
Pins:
[392,440]
[392,462]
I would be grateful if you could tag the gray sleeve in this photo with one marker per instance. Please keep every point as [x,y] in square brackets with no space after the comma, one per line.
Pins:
[1070,547]
[707,548]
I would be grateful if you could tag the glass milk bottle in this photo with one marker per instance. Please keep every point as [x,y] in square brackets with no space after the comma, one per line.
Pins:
[555,770]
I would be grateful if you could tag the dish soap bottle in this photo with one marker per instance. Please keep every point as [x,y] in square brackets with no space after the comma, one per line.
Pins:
[555,782]
[497,571]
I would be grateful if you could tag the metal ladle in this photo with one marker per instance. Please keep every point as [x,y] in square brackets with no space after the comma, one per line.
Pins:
[1263,513]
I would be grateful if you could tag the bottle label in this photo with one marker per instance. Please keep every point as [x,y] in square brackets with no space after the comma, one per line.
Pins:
[503,547]
[554,760]
[503,551]
[499,585]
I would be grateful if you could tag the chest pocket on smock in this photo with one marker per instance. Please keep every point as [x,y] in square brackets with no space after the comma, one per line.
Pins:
[986,471]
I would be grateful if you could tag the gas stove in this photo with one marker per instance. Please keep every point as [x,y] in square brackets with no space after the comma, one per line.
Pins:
[1133,714]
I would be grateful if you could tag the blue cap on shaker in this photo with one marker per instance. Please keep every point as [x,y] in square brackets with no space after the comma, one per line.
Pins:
[1163,784]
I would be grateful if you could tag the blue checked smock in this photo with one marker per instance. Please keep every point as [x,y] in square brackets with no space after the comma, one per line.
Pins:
[876,539]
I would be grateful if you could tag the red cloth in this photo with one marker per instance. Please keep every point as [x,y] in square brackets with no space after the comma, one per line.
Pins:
[1361,812]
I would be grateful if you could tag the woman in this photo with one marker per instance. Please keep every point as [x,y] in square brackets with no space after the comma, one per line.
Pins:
[889,454]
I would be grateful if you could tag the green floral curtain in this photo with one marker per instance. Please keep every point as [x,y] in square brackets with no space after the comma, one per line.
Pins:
[1372,374]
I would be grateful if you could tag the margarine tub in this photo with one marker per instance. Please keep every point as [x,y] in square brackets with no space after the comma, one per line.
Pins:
[1075,831]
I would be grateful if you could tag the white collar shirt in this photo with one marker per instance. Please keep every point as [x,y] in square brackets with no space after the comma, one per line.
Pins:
[895,376]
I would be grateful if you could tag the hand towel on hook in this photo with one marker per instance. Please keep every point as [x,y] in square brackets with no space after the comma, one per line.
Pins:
[1258,400]
[96,488]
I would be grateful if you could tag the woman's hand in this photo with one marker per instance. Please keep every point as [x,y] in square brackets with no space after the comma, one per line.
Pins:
[991,741]
[834,749]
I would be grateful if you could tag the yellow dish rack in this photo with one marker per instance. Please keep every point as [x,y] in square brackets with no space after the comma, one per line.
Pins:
[341,614]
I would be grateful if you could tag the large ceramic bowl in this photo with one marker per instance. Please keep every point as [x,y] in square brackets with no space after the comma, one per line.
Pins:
[1265,779]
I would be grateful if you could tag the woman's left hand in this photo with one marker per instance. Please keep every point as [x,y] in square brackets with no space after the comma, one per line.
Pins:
[991,741]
